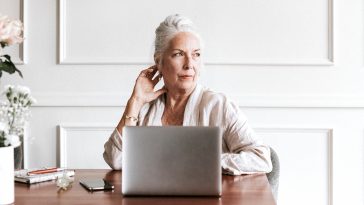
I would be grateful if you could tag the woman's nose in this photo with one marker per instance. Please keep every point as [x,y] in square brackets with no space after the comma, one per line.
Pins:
[188,62]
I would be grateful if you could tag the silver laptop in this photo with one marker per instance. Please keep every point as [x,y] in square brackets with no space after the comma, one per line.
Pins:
[171,161]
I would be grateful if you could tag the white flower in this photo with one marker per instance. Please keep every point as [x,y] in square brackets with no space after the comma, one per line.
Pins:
[19,96]
[4,21]
[12,140]
[22,89]
[32,100]
[10,31]
[14,113]
[4,127]
[7,87]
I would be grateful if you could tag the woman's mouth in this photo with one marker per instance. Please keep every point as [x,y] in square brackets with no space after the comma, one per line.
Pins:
[186,77]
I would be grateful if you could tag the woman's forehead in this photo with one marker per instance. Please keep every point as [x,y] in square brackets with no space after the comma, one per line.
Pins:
[184,40]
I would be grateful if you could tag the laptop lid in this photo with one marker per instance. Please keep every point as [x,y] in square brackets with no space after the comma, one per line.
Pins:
[171,160]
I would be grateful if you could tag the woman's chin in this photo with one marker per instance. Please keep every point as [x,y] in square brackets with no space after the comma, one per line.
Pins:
[184,87]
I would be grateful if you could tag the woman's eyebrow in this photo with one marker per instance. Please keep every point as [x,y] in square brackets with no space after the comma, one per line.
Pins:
[177,49]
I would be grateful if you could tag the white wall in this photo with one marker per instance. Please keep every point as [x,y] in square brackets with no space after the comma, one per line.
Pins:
[295,68]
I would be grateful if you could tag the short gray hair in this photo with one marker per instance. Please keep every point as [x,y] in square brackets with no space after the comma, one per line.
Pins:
[171,26]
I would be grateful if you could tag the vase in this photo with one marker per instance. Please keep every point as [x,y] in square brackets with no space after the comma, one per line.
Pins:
[6,175]
[18,157]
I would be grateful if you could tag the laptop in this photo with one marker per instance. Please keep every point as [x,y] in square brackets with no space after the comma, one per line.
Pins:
[171,161]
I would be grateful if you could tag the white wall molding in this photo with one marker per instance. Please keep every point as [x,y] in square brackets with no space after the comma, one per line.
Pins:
[279,129]
[98,99]
[330,29]
[63,138]
[24,46]
[62,49]
[61,36]
[26,140]
[21,59]
[65,59]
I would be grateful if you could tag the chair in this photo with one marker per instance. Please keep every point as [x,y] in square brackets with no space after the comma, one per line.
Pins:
[273,176]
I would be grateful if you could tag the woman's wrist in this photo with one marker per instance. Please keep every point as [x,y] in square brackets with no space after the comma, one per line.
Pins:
[132,118]
[133,107]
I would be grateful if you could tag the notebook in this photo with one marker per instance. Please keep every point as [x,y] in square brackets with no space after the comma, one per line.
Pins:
[171,160]
[22,176]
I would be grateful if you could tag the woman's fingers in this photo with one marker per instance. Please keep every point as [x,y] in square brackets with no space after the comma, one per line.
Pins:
[149,72]
[146,82]
[157,79]
[159,92]
[153,72]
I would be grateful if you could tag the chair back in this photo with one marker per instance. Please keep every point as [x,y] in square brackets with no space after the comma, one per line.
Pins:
[273,176]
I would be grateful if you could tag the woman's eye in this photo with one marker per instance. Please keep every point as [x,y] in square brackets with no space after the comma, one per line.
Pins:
[177,54]
[197,54]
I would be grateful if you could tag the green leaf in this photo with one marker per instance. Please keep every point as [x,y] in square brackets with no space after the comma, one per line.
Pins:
[8,66]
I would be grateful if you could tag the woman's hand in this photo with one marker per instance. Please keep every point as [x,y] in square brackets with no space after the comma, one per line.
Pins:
[143,93]
[144,86]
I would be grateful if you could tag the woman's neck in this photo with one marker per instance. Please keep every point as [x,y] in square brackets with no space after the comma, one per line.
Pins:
[175,101]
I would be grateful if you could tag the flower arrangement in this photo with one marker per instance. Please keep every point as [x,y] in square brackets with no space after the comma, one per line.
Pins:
[14,113]
[10,33]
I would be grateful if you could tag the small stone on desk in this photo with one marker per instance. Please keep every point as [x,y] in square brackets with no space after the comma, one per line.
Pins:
[64,182]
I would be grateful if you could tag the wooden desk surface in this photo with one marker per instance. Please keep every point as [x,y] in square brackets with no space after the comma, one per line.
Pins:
[247,189]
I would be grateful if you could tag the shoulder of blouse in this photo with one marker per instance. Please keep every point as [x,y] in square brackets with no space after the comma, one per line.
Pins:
[212,99]
[219,104]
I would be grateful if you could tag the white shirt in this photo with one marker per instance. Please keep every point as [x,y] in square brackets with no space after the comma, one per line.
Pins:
[243,152]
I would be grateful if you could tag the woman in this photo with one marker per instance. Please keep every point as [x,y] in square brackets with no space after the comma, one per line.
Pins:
[184,102]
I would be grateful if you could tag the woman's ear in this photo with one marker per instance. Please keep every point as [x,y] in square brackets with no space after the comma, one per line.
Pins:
[157,60]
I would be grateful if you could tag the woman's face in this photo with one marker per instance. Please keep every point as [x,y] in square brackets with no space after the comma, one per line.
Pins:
[181,63]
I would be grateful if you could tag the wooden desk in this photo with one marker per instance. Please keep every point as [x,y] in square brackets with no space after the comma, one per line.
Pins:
[248,189]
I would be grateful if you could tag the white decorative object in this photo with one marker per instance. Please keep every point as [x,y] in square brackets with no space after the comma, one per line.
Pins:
[14,113]
[64,182]
[6,175]
[11,32]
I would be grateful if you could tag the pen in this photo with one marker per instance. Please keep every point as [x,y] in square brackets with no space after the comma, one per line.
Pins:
[44,171]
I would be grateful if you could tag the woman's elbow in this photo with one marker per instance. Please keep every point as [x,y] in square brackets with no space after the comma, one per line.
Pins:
[267,167]
[113,162]
[266,162]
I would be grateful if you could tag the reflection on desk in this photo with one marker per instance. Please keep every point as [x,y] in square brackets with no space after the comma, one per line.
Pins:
[246,189]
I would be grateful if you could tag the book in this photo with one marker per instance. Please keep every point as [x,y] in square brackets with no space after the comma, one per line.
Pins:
[22,176]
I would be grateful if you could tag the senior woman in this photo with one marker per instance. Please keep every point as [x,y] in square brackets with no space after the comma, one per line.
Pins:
[182,101]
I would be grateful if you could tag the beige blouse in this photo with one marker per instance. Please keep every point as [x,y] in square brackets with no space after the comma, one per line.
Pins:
[243,152]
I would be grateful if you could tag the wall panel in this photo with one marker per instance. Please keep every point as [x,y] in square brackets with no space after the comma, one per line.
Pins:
[305,159]
[16,9]
[239,34]
[80,146]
